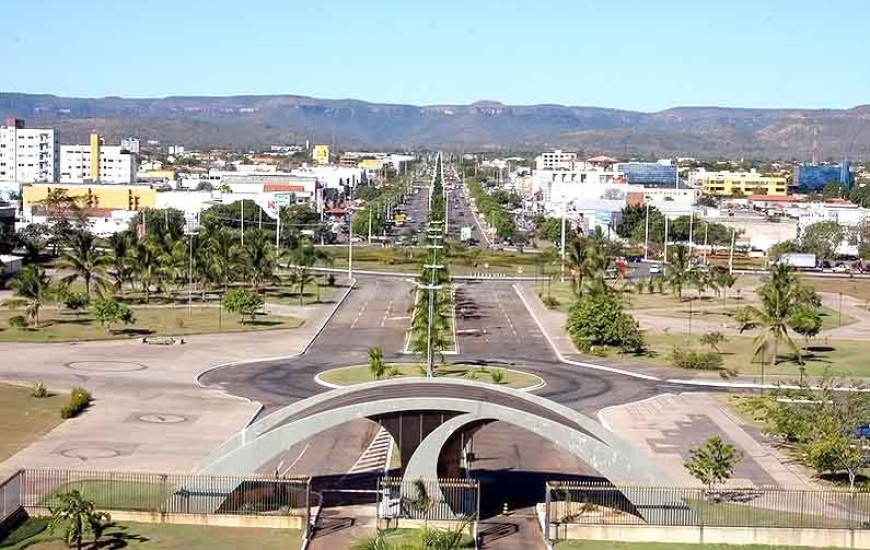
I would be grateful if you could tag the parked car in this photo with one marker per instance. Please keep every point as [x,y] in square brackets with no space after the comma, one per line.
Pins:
[841,268]
[655,269]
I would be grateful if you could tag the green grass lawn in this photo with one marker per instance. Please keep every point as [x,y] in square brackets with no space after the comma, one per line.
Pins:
[840,357]
[32,534]
[412,536]
[24,418]
[608,545]
[117,495]
[290,297]
[358,374]
[61,326]
[858,288]
[462,260]
[715,311]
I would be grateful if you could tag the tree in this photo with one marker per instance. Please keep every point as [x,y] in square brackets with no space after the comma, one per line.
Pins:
[111,312]
[822,239]
[243,302]
[806,321]
[85,261]
[76,301]
[599,320]
[32,289]
[713,339]
[835,190]
[258,257]
[713,461]
[77,517]
[782,296]
[121,245]
[679,271]
[376,362]
[822,420]
[144,265]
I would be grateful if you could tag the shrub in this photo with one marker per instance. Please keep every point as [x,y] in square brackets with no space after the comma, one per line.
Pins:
[696,360]
[79,400]
[39,390]
[393,371]
[111,312]
[243,302]
[550,302]
[75,301]
[497,376]
[599,320]
[18,321]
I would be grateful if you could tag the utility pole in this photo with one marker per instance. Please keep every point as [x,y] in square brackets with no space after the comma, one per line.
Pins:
[278,232]
[190,276]
[646,236]
[665,259]
[562,255]
[731,254]
[370,225]
[706,230]
[243,222]
[691,234]
[349,245]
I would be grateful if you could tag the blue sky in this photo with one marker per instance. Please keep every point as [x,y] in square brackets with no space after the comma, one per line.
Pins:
[630,54]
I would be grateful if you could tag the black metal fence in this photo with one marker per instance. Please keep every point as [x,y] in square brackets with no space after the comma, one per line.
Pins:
[170,493]
[584,504]
[10,495]
[430,499]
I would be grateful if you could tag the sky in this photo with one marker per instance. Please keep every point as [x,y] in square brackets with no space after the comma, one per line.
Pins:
[643,55]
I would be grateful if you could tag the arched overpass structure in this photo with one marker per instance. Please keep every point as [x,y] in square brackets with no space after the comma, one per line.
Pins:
[437,408]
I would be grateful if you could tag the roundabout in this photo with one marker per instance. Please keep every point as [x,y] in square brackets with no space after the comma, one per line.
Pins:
[493,375]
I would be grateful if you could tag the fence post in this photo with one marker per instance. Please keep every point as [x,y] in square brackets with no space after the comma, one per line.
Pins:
[308,509]
[702,507]
[547,511]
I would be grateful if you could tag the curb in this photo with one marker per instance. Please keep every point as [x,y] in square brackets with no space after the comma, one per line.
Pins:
[569,361]
[319,380]
[278,358]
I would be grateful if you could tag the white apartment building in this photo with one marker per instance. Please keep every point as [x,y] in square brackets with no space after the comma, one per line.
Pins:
[555,160]
[27,155]
[115,164]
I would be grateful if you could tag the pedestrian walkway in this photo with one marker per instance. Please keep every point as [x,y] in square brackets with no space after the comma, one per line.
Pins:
[517,531]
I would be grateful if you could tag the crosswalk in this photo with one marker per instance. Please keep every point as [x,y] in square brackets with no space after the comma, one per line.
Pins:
[376,458]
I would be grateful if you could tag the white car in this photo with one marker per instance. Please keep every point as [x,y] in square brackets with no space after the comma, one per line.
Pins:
[655,269]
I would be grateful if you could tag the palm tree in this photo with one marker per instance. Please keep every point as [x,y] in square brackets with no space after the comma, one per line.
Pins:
[85,260]
[143,263]
[376,362]
[781,296]
[77,517]
[121,245]
[32,288]
[258,258]
[301,277]
[679,271]
[588,259]
[724,281]
[173,257]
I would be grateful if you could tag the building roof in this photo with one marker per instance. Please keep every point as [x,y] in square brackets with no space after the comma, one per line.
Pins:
[602,159]
[273,187]
[774,198]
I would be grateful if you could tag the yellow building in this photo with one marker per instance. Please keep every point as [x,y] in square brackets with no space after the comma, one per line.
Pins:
[742,183]
[95,156]
[371,164]
[108,197]
[320,154]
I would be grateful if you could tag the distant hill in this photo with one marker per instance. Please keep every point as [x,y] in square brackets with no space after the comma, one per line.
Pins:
[250,121]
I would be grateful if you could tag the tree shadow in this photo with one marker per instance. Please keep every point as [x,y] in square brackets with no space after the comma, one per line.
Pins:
[133,332]
[116,539]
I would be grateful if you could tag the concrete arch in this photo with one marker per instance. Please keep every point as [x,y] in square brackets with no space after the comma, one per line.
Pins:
[578,434]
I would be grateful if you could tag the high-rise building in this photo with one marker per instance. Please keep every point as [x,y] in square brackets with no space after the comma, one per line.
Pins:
[740,183]
[649,174]
[130,144]
[320,154]
[27,155]
[813,177]
[97,162]
[555,160]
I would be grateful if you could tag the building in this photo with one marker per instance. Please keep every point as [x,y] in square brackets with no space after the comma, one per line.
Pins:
[650,174]
[130,144]
[27,155]
[813,177]
[92,196]
[555,160]
[320,154]
[739,183]
[97,162]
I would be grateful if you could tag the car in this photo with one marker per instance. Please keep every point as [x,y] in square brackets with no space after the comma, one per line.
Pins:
[840,268]
[655,269]
[634,259]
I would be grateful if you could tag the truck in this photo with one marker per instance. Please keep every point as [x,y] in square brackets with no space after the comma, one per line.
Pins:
[799,260]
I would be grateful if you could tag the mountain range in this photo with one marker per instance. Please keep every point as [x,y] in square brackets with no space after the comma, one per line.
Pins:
[258,120]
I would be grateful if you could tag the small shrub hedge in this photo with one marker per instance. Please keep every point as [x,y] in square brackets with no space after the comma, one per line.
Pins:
[79,400]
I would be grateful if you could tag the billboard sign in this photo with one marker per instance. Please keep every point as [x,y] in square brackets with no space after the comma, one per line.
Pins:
[465,234]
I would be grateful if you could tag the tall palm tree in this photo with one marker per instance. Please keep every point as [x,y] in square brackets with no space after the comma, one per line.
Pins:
[174,259]
[376,362]
[258,256]
[301,276]
[32,289]
[121,245]
[678,272]
[144,265]
[781,297]
[85,261]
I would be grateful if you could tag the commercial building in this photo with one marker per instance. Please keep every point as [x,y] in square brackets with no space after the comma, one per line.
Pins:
[813,177]
[739,183]
[555,160]
[97,162]
[320,154]
[27,155]
[649,174]
[91,196]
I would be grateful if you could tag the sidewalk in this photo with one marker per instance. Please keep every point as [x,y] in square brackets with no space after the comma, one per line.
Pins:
[149,413]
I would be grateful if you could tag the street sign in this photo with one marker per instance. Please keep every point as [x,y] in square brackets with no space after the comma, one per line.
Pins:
[465,234]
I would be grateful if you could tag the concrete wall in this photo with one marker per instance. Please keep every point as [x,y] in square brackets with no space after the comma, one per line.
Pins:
[773,536]
[206,520]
